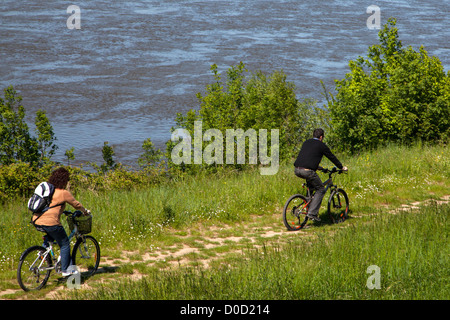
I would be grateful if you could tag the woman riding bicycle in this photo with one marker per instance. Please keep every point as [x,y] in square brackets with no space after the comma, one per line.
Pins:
[50,222]
[307,163]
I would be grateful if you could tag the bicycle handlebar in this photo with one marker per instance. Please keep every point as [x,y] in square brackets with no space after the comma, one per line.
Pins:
[75,214]
[333,170]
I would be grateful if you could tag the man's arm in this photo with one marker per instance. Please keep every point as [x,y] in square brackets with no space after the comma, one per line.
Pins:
[327,152]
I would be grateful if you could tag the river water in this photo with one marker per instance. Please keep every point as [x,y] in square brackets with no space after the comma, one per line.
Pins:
[132,65]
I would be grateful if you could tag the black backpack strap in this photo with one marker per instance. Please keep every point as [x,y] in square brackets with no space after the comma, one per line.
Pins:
[33,222]
[56,205]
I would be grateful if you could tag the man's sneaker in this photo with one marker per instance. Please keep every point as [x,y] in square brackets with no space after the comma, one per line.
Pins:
[313,217]
[69,273]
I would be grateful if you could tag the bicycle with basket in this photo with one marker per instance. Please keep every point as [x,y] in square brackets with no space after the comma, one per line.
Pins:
[37,262]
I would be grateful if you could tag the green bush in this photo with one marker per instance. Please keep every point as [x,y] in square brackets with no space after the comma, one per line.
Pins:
[396,95]
[256,102]
[19,179]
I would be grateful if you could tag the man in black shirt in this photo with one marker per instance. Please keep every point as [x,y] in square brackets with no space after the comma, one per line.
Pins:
[307,163]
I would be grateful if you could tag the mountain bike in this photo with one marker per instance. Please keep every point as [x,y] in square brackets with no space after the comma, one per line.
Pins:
[37,262]
[296,208]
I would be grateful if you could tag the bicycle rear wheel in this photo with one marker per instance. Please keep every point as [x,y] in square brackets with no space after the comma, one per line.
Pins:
[34,268]
[294,212]
[86,255]
[338,206]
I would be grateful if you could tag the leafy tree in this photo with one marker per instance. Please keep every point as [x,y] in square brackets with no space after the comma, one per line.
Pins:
[108,154]
[45,136]
[16,143]
[256,102]
[271,103]
[70,155]
[396,94]
[151,156]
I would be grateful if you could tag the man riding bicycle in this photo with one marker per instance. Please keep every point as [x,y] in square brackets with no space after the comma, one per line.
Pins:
[307,163]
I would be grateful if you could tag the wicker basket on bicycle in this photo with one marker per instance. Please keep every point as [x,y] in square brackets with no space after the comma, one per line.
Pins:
[84,223]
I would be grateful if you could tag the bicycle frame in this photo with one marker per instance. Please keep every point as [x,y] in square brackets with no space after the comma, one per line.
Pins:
[50,251]
[43,258]
[328,184]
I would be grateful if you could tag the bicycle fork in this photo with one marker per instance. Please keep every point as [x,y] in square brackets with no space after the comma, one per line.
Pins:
[302,209]
[84,250]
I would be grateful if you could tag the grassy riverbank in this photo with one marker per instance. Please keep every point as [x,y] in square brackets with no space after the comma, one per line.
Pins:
[408,248]
[326,261]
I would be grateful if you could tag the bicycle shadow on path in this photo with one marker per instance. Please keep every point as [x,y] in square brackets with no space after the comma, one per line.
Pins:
[106,269]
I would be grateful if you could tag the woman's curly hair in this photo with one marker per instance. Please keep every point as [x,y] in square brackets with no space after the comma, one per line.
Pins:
[59,178]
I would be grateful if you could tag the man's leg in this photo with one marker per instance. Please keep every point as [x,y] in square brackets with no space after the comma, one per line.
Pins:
[316,184]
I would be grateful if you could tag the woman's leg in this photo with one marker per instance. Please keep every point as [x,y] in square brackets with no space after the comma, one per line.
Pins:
[59,234]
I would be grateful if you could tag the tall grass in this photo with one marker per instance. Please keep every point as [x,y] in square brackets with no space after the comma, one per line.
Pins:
[396,174]
[137,219]
[409,248]
[387,177]
[125,216]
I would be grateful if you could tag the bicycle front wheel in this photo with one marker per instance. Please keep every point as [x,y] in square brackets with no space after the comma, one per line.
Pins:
[338,206]
[294,212]
[86,255]
[34,268]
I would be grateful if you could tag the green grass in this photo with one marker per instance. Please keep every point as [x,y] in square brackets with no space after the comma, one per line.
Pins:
[160,216]
[409,248]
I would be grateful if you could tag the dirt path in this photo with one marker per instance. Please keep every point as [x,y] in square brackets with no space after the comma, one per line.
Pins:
[210,244]
[199,246]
